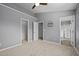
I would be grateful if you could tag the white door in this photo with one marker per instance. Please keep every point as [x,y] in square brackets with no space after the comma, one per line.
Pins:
[73,31]
[70,33]
[35,31]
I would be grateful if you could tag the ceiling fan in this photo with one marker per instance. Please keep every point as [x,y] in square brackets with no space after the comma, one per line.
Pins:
[38,4]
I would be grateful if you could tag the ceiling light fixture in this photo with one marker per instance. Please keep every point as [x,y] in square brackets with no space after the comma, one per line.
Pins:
[37,4]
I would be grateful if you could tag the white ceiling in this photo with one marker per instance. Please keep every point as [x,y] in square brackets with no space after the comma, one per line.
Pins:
[51,7]
[26,5]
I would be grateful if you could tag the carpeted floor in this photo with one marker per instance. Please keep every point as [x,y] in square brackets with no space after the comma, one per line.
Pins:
[40,48]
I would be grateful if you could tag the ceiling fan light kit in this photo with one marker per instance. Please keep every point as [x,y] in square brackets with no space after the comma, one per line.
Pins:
[38,4]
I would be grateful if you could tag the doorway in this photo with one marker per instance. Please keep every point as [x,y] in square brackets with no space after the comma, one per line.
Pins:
[24,30]
[67,30]
[40,30]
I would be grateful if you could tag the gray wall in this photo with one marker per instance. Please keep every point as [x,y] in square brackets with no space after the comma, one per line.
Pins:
[52,33]
[77,27]
[10,26]
[25,30]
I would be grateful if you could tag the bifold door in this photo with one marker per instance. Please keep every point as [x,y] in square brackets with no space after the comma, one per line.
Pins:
[35,31]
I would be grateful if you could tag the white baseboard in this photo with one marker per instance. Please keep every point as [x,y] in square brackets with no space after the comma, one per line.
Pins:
[10,47]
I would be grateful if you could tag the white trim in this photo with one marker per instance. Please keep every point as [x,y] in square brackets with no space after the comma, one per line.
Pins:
[17,10]
[10,47]
[66,20]
[60,45]
[34,30]
[21,27]
[60,30]
[43,30]
[21,30]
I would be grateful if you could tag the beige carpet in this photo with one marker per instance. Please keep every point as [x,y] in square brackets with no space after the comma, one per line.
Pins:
[40,48]
[66,42]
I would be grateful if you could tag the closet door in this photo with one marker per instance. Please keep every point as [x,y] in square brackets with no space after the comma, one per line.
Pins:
[68,31]
[35,31]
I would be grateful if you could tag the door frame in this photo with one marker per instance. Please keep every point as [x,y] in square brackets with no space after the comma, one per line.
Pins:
[60,28]
[71,33]
[23,19]
[43,27]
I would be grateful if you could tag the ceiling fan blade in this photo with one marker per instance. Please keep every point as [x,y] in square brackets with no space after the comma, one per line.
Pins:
[39,4]
[33,6]
[43,3]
